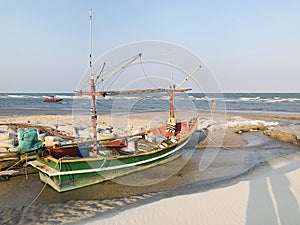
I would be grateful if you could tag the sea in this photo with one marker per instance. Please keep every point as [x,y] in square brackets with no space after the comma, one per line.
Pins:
[26,200]
[255,102]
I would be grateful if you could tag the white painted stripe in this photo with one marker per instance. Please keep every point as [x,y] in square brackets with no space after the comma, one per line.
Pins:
[49,173]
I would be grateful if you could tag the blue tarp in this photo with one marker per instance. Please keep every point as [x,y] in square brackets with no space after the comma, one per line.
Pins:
[28,140]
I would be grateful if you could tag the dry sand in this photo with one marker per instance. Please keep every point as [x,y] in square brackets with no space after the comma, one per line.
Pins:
[271,196]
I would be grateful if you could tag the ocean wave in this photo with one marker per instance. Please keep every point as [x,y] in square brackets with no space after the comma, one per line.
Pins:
[65,96]
[206,98]
[127,97]
[30,96]
[262,100]
[19,96]
[164,98]
[277,99]
[250,99]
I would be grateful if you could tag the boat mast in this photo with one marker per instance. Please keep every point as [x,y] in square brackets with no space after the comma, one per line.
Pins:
[171,122]
[92,90]
[172,87]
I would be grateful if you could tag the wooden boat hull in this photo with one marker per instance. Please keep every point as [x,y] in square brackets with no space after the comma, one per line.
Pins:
[66,174]
[68,150]
[75,174]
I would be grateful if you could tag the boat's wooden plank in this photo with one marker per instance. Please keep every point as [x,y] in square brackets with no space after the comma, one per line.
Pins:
[8,172]
[129,92]
[44,168]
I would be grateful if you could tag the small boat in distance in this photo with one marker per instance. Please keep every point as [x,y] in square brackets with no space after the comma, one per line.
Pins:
[52,99]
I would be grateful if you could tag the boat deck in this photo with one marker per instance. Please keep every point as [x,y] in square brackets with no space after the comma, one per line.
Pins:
[43,168]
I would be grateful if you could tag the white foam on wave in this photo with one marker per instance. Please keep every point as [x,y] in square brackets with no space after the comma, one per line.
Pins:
[65,96]
[199,99]
[263,100]
[21,96]
[244,122]
[18,96]
[42,96]
[127,97]
[25,96]
[206,98]
[164,98]
[250,98]
[277,99]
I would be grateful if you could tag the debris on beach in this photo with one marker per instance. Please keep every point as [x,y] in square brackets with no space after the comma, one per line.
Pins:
[44,129]
[10,158]
[244,125]
[221,138]
[226,134]
[289,133]
[8,152]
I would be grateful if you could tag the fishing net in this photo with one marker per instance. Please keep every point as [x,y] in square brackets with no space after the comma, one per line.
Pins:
[28,140]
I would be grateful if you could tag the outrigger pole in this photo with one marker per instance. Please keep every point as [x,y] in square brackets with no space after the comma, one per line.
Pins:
[189,76]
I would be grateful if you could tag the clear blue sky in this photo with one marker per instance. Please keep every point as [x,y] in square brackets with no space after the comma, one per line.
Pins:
[252,46]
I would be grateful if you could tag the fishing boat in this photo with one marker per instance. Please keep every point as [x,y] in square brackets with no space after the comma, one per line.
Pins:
[52,99]
[64,168]
[74,166]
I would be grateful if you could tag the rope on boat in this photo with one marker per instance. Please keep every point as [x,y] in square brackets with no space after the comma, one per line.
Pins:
[117,76]
[46,130]
[38,195]
[104,161]
[24,208]
[59,178]
[26,158]
[14,164]
[108,70]
[145,74]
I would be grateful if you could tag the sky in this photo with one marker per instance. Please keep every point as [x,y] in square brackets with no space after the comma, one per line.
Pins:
[251,46]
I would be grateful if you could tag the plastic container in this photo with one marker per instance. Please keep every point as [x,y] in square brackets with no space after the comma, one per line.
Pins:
[84,151]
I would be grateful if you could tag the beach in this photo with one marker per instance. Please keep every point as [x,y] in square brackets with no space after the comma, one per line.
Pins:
[234,168]
[150,113]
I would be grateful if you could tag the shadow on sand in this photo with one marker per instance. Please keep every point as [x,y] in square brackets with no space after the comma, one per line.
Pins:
[270,198]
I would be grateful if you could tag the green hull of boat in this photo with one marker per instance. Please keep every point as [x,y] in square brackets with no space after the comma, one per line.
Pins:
[65,175]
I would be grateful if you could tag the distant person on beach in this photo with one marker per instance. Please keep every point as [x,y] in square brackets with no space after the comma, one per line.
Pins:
[213,106]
